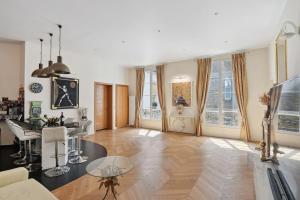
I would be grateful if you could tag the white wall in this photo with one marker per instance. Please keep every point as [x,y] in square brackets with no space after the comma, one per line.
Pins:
[88,68]
[11,69]
[290,13]
[259,82]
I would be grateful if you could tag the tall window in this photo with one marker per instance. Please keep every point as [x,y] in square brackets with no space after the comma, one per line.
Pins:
[150,104]
[221,106]
[289,109]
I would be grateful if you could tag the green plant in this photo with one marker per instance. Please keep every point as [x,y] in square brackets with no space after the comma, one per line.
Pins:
[51,122]
[154,104]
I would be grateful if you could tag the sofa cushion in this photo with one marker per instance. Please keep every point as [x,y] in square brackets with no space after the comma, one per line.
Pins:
[13,175]
[26,190]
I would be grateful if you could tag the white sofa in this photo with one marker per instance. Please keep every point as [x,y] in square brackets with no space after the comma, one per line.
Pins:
[15,185]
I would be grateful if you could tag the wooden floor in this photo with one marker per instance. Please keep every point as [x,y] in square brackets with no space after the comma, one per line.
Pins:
[171,166]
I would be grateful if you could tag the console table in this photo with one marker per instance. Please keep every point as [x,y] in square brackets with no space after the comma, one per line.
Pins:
[182,123]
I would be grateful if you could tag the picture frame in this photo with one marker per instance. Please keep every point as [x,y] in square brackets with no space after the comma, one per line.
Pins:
[64,93]
[183,89]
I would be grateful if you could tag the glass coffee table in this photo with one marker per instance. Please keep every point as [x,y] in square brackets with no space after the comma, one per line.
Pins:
[108,169]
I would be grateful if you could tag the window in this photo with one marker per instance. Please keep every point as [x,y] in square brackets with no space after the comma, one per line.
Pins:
[288,115]
[221,106]
[150,103]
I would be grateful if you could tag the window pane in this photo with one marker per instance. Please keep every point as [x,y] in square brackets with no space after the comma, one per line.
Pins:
[147,76]
[146,113]
[155,114]
[212,101]
[288,123]
[154,78]
[229,98]
[146,89]
[212,117]
[227,69]
[230,118]
[146,102]
[153,88]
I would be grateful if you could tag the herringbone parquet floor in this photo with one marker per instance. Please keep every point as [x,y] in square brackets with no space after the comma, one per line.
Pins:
[171,166]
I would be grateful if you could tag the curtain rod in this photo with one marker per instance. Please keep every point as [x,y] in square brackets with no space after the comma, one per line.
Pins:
[215,56]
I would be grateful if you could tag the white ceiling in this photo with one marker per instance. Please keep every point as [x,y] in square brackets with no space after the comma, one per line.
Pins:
[126,32]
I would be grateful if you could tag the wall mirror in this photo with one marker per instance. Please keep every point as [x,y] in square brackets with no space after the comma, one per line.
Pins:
[281,59]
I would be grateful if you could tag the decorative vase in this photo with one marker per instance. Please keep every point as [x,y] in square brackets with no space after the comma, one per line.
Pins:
[180,109]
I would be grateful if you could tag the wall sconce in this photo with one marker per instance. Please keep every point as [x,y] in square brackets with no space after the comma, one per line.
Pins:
[181,79]
[289,30]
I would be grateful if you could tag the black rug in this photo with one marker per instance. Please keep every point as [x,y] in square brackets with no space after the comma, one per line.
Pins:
[90,149]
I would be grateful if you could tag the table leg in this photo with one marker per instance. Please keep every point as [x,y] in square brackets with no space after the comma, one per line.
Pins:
[109,184]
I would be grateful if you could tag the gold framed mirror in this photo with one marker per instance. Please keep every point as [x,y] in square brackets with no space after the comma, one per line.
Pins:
[281,59]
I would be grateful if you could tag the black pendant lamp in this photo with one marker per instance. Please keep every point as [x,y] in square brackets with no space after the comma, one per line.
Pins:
[38,71]
[59,67]
[46,72]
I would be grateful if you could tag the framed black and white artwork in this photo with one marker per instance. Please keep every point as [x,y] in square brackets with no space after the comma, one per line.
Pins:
[64,93]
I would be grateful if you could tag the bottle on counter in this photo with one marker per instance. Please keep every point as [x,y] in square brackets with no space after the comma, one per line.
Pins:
[61,119]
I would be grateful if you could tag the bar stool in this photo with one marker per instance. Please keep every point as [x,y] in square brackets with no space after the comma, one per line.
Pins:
[24,136]
[80,132]
[56,135]
[19,153]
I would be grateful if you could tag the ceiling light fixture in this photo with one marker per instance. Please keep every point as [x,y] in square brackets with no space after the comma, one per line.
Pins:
[46,72]
[59,67]
[38,71]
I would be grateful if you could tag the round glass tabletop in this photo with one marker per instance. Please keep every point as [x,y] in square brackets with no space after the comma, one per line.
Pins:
[110,166]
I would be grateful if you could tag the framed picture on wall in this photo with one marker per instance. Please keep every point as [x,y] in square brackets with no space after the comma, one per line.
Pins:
[64,93]
[182,91]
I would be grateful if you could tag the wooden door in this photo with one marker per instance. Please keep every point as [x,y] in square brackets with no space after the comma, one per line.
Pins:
[103,105]
[122,106]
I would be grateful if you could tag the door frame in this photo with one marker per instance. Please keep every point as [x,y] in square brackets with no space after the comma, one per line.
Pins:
[116,109]
[112,88]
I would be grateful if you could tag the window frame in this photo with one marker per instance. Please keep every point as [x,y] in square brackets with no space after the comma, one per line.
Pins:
[150,96]
[221,92]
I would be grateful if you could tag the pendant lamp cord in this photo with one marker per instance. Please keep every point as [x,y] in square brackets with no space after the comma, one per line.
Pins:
[41,50]
[50,45]
[59,26]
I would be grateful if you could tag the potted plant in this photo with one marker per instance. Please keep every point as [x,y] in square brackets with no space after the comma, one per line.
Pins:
[154,105]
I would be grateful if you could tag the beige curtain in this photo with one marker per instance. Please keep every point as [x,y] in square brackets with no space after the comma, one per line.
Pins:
[203,75]
[160,70]
[241,90]
[140,76]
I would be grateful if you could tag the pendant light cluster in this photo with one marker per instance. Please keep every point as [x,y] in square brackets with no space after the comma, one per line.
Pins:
[53,70]
[38,71]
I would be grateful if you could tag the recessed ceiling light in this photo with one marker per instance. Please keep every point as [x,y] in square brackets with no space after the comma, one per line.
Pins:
[123,41]
[216,13]
[225,41]
[158,30]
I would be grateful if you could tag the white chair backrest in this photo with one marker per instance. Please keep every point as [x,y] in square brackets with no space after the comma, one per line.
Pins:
[16,129]
[55,134]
